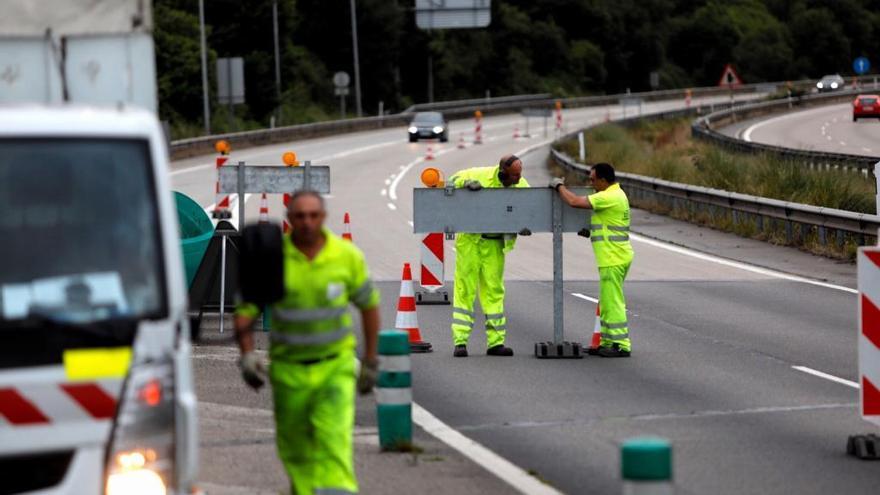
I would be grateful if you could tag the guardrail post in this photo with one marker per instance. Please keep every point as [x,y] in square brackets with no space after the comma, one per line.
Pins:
[788,231]
[841,237]
[760,223]
[823,237]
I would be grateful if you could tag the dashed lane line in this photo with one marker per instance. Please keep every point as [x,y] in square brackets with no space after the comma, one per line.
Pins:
[826,376]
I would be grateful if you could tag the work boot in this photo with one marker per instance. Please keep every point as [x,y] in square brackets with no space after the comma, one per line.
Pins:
[499,350]
[613,351]
[460,351]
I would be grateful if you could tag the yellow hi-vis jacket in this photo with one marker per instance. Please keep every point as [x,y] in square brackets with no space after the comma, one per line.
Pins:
[488,177]
[312,320]
[609,227]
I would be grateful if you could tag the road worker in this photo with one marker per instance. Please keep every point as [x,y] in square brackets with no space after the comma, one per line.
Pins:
[609,233]
[313,366]
[479,263]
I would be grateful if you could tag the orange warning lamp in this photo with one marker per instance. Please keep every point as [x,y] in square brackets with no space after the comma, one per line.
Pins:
[289,159]
[222,147]
[478,114]
[431,177]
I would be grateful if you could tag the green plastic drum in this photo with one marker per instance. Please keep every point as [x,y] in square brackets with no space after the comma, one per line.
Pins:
[196,230]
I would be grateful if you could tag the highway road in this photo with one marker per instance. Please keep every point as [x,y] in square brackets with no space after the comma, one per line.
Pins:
[826,128]
[748,370]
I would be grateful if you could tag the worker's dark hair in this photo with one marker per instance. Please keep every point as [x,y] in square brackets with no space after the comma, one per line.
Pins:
[604,171]
[304,193]
[505,164]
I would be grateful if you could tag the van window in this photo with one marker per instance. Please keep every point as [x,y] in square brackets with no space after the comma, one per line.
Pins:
[79,234]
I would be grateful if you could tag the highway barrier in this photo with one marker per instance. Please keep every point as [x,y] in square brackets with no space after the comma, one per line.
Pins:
[646,466]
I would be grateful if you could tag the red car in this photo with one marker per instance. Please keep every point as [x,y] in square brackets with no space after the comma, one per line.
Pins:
[866,106]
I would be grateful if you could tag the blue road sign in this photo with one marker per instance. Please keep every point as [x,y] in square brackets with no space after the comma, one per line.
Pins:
[861,65]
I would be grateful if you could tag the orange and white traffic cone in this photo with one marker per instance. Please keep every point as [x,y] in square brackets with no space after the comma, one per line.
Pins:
[346,228]
[597,335]
[461,140]
[264,209]
[406,313]
[429,154]
[515,131]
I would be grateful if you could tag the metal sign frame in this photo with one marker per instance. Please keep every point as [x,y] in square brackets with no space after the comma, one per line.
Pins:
[511,210]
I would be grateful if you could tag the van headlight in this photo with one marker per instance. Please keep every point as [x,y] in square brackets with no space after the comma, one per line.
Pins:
[141,456]
[438,129]
[413,129]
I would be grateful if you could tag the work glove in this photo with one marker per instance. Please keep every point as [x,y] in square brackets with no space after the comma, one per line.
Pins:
[367,377]
[251,368]
[556,182]
[473,185]
[525,231]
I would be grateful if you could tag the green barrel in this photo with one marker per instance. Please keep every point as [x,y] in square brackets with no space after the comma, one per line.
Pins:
[394,390]
[196,230]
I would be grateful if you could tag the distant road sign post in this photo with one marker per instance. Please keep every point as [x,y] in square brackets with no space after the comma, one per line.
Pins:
[341,80]
[730,79]
[861,65]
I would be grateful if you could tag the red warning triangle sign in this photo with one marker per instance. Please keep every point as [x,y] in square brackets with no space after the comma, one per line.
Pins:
[729,77]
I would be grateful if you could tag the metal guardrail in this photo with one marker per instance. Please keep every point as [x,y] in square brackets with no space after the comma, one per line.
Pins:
[742,210]
[704,128]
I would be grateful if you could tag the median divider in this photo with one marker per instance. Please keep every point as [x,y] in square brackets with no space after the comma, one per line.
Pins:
[394,391]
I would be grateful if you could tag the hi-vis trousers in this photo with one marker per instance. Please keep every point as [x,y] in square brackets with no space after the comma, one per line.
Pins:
[479,269]
[612,307]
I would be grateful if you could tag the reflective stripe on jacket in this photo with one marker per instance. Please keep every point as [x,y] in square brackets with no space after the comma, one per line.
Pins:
[609,227]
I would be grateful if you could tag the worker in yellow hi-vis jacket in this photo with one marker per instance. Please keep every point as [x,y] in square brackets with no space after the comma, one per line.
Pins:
[479,263]
[313,366]
[609,233]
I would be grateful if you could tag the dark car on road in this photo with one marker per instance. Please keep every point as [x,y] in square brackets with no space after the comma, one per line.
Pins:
[428,125]
[831,82]
[866,106]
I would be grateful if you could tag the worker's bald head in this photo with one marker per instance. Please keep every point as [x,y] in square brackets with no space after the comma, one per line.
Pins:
[510,170]
[306,214]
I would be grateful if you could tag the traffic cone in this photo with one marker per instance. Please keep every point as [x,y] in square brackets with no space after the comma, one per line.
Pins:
[264,209]
[597,333]
[346,228]
[461,140]
[406,313]
[515,131]
[429,154]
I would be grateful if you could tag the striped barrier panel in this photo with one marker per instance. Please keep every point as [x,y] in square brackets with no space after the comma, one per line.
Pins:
[869,332]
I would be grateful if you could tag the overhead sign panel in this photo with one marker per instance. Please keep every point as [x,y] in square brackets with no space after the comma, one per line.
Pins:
[453,14]
[230,80]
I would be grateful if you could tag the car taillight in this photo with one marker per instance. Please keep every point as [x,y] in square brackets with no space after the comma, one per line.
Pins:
[141,455]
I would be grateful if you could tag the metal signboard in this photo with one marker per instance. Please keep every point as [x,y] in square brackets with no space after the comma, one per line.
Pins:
[501,211]
[230,80]
[341,79]
[272,179]
[453,14]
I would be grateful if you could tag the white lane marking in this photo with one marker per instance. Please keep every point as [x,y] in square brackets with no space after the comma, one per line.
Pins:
[582,296]
[826,376]
[383,192]
[354,151]
[515,476]
[391,176]
[747,135]
[828,138]
[410,222]
[387,181]
[392,192]
[842,143]
[866,149]
[392,206]
[739,265]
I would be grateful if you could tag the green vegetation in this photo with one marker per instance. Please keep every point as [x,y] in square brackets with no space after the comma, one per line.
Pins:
[570,47]
[665,149]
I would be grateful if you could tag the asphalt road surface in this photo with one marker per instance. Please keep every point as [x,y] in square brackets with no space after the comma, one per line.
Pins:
[747,370]
[826,128]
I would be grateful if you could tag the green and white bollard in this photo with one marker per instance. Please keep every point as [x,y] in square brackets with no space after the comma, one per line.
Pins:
[394,390]
[646,465]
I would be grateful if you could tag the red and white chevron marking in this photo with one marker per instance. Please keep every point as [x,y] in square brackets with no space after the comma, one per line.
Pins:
[432,261]
[285,227]
[222,201]
[478,130]
[869,332]
[41,404]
